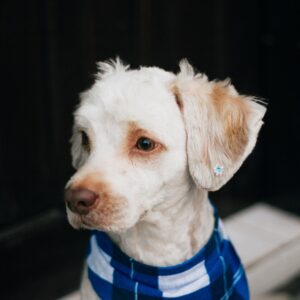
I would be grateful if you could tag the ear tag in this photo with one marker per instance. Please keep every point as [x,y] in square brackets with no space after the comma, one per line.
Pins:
[218,170]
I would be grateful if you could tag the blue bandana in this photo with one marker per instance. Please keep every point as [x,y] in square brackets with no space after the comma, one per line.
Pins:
[214,273]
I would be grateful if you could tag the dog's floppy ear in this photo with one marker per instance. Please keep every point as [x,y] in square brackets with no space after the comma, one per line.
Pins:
[221,125]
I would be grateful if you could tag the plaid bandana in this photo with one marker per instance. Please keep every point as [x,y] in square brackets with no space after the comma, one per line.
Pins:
[214,273]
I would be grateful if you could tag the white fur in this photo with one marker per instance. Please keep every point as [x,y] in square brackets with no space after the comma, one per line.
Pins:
[164,216]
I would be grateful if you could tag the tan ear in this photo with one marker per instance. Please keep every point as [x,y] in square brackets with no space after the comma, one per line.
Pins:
[221,125]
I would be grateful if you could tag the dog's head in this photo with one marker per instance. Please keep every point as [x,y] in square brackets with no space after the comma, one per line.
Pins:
[145,137]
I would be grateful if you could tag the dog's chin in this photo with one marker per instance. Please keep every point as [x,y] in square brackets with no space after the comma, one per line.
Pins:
[92,222]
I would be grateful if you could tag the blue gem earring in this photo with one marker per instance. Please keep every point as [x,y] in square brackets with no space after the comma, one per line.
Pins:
[218,170]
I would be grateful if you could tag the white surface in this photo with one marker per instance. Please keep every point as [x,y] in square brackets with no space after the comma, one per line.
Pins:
[268,242]
[73,296]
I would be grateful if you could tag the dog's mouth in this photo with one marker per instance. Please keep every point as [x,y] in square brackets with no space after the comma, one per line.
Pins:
[89,221]
[108,218]
[92,220]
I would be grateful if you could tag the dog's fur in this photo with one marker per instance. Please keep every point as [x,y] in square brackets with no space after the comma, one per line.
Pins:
[154,204]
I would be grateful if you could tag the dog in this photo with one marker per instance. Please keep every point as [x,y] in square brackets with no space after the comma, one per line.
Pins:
[148,145]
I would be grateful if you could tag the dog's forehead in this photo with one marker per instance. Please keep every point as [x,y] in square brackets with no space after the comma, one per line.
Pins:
[143,96]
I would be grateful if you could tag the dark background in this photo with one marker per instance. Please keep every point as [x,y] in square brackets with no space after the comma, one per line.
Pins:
[48,54]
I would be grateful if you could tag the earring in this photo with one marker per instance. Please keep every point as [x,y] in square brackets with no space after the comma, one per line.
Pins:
[218,170]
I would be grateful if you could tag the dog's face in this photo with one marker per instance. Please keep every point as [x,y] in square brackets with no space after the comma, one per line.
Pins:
[140,136]
[128,148]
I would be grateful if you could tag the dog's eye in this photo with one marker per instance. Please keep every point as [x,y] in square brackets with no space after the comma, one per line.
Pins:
[85,142]
[145,144]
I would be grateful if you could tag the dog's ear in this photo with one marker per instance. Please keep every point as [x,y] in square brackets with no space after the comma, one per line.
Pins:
[221,125]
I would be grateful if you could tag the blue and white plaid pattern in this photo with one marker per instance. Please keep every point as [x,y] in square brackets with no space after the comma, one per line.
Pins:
[214,273]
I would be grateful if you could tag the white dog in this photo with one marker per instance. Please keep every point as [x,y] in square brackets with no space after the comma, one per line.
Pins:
[148,145]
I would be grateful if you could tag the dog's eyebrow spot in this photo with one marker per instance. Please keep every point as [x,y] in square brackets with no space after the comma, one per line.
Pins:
[134,132]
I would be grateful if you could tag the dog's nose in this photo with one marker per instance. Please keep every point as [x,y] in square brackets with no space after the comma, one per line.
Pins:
[80,200]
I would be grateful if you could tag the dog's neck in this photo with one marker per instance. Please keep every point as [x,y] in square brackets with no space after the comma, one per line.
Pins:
[170,233]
